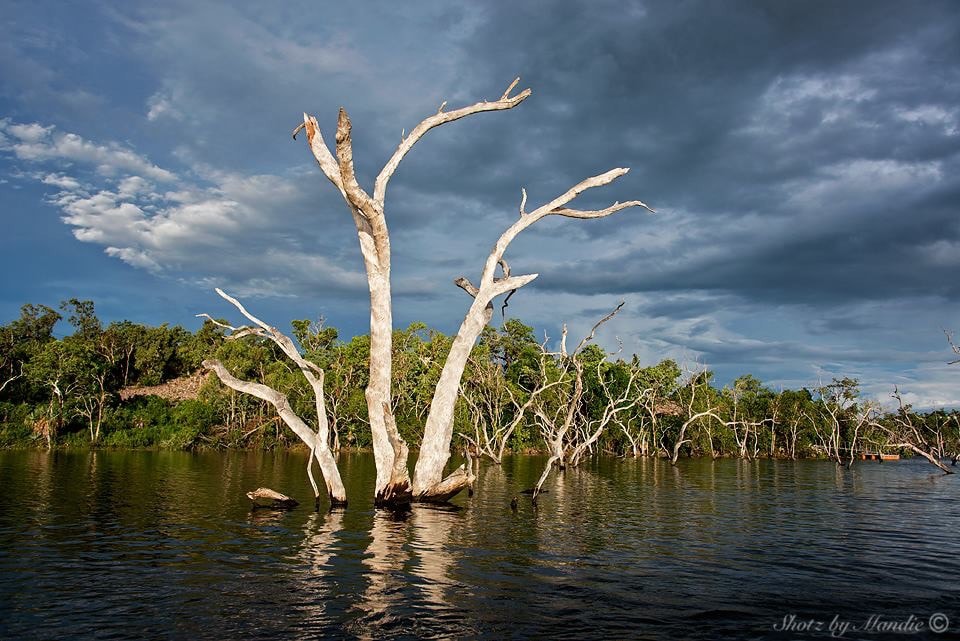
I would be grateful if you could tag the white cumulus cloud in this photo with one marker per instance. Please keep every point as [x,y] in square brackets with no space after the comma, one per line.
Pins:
[247,232]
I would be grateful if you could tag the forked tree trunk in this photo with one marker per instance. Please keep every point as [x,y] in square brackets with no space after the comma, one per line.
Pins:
[393,485]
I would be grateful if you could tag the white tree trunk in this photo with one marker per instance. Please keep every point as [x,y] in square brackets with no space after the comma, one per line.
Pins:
[435,450]
[393,485]
[313,440]
[438,431]
[317,442]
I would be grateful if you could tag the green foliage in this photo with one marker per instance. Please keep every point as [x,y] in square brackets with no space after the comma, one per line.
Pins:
[150,421]
[15,425]
[66,392]
[198,346]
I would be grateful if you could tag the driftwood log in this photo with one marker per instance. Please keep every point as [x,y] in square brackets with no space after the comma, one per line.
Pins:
[265,497]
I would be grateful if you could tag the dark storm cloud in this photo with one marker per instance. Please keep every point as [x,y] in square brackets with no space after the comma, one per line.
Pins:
[726,110]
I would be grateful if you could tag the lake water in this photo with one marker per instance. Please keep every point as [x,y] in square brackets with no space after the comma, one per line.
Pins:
[163,545]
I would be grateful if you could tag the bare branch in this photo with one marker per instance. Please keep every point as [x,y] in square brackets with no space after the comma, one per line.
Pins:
[12,378]
[218,323]
[245,331]
[464,283]
[579,188]
[283,341]
[328,164]
[440,118]
[600,213]
[356,195]
[235,332]
[589,337]
[523,202]
[555,207]
[233,301]
[504,285]
[506,94]
[506,303]
[953,346]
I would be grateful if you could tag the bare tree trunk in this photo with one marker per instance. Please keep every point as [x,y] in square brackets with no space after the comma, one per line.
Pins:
[319,441]
[12,379]
[693,417]
[927,455]
[794,431]
[438,431]
[554,459]
[393,484]
[317,445]
[435,449]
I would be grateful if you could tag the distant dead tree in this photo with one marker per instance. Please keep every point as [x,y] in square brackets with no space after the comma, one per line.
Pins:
[490,399]
[909,432]
[393,483]
[842,419]
[564,425]
[643,428]
[318,441]
[697,385]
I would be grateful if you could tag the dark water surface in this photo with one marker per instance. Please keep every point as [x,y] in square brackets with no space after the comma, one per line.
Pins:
[162,545]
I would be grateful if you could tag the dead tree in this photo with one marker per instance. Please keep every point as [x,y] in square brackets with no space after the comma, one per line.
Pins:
[654,403]
[487,401]
[920,439]
[864,415]
[794,433]
[393,484]
[738,423]
[697,381]
[837,402]
[616,407]
[319,441]
[638,439]
[565,432]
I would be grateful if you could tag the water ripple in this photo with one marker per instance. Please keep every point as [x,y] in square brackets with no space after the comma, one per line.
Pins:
[163,545]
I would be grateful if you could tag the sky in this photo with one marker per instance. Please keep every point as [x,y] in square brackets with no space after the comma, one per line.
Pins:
[802,158]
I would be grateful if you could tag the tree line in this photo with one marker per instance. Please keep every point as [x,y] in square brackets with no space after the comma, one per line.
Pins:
[518,394]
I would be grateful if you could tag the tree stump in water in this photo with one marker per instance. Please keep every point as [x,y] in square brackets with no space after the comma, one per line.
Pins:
[265,497]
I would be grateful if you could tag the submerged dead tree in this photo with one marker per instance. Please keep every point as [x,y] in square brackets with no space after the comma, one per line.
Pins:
[393,483]
[911,432]
[565,424]
[698,381]
[488,401]
[319,441]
